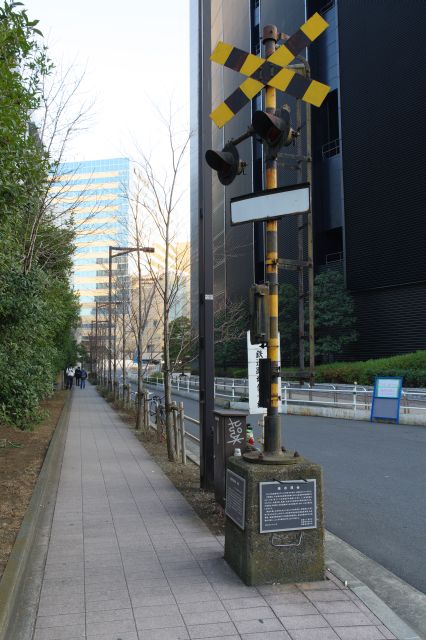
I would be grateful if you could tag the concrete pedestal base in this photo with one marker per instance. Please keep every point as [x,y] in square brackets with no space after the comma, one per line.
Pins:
[256,557]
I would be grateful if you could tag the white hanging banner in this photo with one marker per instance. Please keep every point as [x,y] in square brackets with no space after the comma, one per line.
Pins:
[254,353]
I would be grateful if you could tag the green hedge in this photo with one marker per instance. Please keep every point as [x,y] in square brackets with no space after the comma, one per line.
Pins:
[231,372]
[411,367]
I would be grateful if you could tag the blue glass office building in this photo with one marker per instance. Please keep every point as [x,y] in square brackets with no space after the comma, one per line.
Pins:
[94,193]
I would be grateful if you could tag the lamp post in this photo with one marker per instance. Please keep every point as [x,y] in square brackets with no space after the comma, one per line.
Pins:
[98,304]
[115,252]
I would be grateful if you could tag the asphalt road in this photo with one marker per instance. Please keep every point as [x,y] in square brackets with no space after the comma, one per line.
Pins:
[374,483]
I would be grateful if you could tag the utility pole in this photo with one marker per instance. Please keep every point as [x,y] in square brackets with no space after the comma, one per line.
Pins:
[123,320]
[96,346]
[205,264]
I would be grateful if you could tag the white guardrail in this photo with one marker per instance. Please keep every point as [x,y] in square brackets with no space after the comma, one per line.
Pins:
[345,396]
[355,398]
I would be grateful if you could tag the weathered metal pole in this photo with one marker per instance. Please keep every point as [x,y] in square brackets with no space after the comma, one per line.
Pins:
[123,318]
[272,447]
[110,319]
[114,353]
[300,252]
[96,345]
[205,263]
[310,243]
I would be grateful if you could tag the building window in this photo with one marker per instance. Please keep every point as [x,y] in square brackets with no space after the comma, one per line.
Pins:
[330,126]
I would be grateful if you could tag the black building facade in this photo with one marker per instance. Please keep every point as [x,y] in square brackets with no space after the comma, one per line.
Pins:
[367,149]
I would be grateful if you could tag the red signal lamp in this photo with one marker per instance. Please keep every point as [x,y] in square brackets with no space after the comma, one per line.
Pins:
[274,128]
[226,163]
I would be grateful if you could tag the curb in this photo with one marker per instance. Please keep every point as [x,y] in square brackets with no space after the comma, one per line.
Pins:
[400,607]
[40,506]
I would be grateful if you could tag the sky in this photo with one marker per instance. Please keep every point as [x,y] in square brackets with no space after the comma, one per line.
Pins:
[135,59]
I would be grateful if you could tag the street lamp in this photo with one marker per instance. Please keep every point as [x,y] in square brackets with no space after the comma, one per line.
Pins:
[115,252]
[98,304]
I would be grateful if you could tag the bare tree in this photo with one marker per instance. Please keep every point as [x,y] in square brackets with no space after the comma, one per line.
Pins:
[60,116]
[157,201]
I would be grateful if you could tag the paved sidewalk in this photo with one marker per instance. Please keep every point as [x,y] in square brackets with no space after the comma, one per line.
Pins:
[128,559]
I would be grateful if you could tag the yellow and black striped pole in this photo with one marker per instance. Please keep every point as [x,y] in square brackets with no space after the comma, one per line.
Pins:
[272,446]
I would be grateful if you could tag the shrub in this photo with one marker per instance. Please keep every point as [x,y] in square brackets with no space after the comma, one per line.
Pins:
[410,366]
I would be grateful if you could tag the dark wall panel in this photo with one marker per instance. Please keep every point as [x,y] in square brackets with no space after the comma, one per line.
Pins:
[390,321]
[382,64]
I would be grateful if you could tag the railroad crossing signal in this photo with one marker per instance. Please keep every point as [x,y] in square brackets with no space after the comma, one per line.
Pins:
[272,71]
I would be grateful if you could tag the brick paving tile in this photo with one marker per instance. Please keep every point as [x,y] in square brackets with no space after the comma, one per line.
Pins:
[113,636]
[233,591]
[193,596]
[338,606]
[61,633]
[347,619]
[217,630]
[155,610]
[96,592]
[187,580]
[171,633]
[148,583]
[303,622]
[108,616]
[62,620]
[313,634]
[205,617]
[267,635]
[70,585]
[159,622]
[332,595]
[144,600]
[300,609]
[244,603]
[329,583]
[58,608]
[106,594]
[252,613]
[287,598]
[258,626]
[196,607]
[275,589]
[359,633]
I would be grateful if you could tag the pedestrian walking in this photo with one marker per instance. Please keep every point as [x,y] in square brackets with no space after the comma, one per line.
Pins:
[83,378]
[77,376]
[70,372]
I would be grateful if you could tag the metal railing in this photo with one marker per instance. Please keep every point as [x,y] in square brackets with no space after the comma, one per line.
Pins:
[331,148]
[331,258]
[341,396]
[354,397]
[344,396]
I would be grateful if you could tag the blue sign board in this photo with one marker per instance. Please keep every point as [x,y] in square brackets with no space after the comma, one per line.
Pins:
[386,398]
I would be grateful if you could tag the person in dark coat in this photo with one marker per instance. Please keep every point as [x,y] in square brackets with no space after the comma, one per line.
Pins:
[77,376]
[83,378]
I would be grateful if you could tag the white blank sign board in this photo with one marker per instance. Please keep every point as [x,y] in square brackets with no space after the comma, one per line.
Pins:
[275,203]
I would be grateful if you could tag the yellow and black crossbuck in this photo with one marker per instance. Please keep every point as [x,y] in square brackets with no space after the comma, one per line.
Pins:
[271,71]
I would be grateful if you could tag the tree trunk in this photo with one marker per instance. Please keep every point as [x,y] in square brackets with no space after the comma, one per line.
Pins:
[171,445]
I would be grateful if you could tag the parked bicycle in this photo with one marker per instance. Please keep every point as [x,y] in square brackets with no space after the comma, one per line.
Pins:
[156,404]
